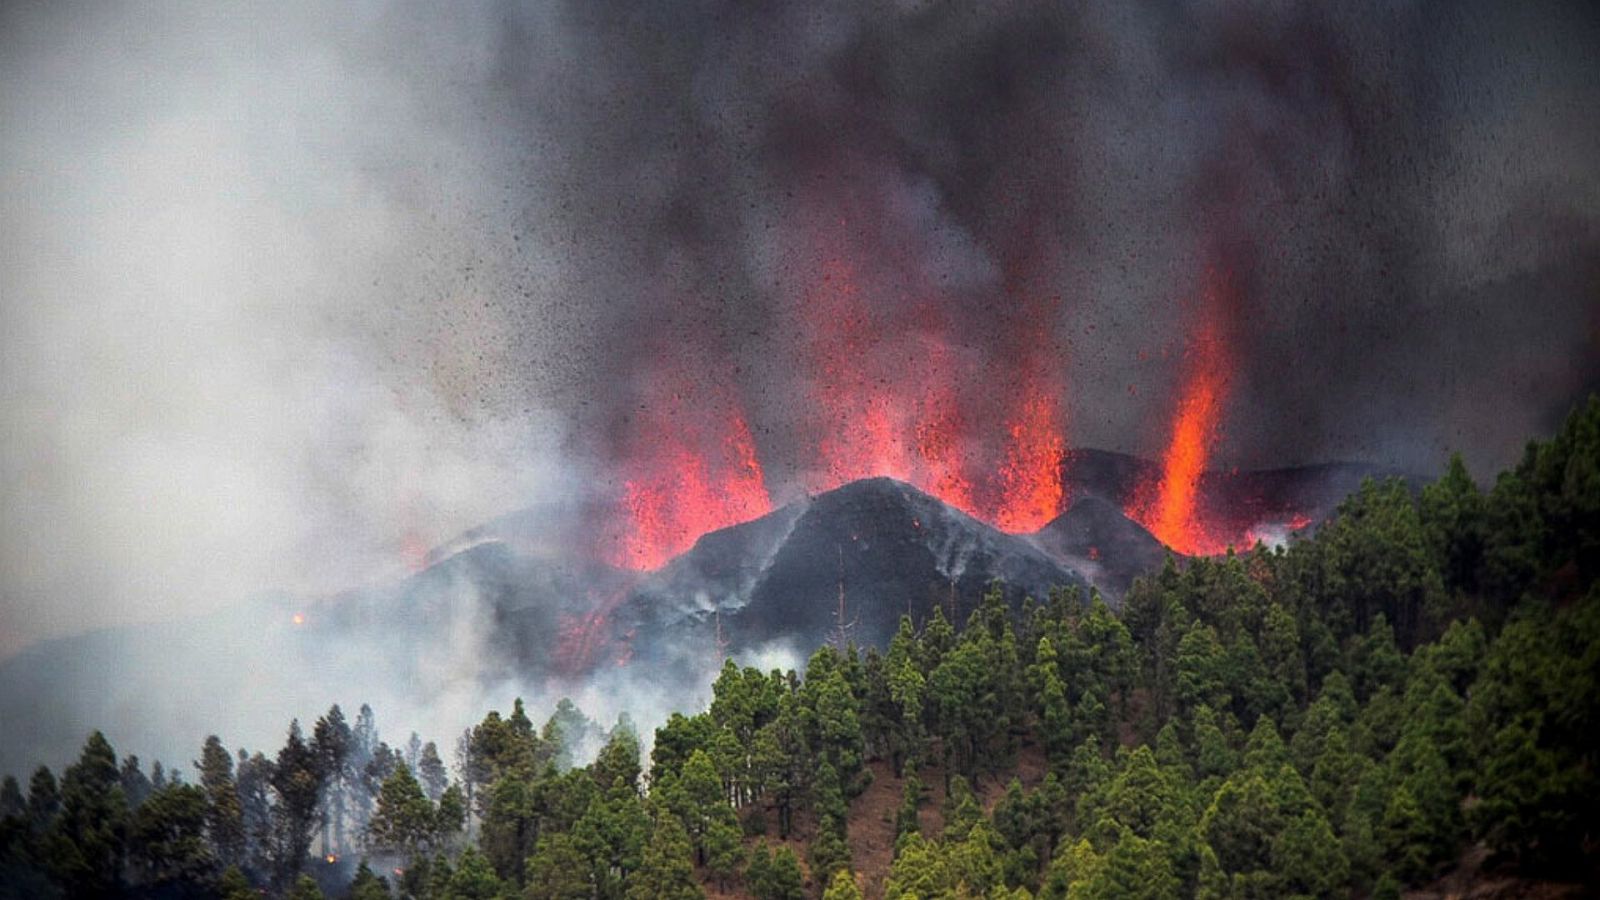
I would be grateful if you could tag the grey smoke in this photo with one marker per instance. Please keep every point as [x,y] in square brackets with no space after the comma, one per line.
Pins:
[290,291]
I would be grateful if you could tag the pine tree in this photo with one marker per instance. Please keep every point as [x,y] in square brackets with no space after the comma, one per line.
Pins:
[136,786]
[369,886]
[297,780]
[558,870]
[1241,823]
[1055,712]
[168,844]
[842,887]
[1453,523]
[619,758]
[474,878]
[224,812]
[12,806]
[1308,859]
[1135,867]
[611,834]
[451,813]
[699,800]
[254,775]
[829,853]
[331,743]
[906,819]
[1405,837]
[666,872]
[404,822]
[233,885]
[724,851]
[431,772]
[305,889]
[775,876]
[87,839]
[44,800]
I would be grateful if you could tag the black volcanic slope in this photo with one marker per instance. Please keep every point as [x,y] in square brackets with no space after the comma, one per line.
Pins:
[522,604]
[1110,549]
[893,549]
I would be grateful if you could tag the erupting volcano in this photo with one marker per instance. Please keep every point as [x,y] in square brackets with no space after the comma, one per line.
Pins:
[876,403]
[878,397]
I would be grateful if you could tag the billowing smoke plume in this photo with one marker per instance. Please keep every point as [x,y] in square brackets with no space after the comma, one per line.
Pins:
[859,226]
[1029,180]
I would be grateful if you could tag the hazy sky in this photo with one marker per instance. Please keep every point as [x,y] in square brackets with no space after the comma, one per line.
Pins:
[289,290]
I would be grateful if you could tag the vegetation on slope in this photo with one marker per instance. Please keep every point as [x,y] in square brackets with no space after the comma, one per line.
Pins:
[1351,715]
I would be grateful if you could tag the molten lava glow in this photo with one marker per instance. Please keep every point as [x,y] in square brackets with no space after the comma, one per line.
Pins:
[1031,492]
[1273,533]
[1172,508]
[1174,518]
[936,434]
[901,417]
[684,491]
[859,434]
[939,462]
[886,394]
[584,635]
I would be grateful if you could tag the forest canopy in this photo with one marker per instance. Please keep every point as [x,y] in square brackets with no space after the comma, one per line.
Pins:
[1412,690]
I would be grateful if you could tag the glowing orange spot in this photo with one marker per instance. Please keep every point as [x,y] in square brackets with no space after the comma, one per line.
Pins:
[902,419]
[298,618]
[885,399]
[862,432]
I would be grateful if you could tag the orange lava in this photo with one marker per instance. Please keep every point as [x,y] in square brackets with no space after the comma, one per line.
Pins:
[862,416]
[937,433]
[887,390]
[1173,509]
[1031,492]
[701,472]
[902,418]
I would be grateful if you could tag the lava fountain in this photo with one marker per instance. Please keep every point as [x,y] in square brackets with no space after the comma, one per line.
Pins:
[1172,507]
[696,470]
[900,414]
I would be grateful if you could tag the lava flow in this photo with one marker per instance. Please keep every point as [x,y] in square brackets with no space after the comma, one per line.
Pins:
[1172,507]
